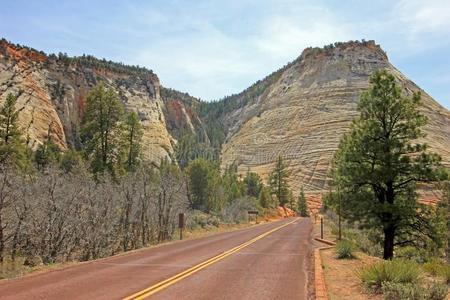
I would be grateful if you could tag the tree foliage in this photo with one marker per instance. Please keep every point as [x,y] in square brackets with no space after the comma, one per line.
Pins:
[278,182]
[13,150]
[380,162]
[132,141]
[265,198]
[302,206]
[253,184]
[101,130]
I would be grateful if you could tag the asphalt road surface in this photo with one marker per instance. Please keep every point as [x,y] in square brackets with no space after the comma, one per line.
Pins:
[268,261]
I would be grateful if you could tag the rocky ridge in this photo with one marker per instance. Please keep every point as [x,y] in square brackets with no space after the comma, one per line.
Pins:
[299,112]
[304,113]
[53,95]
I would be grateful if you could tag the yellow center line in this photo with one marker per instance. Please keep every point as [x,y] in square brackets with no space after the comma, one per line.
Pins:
[169,281]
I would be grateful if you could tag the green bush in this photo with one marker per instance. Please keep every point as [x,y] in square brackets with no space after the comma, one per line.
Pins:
[437,291]
[403,291]
[433,267]
[411,291]
[394,271]
[419,255]
[344,249]
[445,273]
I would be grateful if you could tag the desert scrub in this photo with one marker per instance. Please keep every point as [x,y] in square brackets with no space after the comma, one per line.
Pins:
[344,249]
[402,291]
[437,291]
[393,271]
[411,291]
[418,255]
[433,267]
[445,273]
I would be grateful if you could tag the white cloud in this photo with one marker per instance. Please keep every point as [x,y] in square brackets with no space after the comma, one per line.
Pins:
[284,37]
[211,62]
[431,16]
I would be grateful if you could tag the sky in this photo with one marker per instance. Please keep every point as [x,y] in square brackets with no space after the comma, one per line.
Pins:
[211,49]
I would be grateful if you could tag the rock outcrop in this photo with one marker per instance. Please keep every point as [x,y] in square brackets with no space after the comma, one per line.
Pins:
[299,112]
[304,111]
[53,95]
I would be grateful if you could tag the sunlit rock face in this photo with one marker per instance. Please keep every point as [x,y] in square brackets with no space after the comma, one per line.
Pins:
[303,114]
[53,97]
[299,112]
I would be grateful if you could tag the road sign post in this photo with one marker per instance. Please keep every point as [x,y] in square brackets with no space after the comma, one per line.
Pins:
[181,223]
[321,228]
[254,212]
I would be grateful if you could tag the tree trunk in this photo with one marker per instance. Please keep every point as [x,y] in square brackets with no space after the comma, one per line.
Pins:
[389,234]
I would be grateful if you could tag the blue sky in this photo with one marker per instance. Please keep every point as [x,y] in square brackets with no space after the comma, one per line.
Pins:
[215,48]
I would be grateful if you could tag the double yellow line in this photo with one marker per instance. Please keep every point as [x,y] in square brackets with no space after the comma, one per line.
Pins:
[168,282]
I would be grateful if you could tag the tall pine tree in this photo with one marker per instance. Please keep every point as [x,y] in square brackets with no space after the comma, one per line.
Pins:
[278,182]
[13,150]
[302,206]
[380,162]
[101,130]
[132,139]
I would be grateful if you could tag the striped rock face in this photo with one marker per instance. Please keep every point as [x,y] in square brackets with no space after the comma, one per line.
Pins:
[304,113]
[299,112]
[54,93]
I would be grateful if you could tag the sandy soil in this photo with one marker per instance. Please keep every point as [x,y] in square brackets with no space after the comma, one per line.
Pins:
[341,275]
[341,278]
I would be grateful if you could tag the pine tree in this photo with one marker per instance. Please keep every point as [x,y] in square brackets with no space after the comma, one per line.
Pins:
[101,131]
[203,182]
[253,184]
[132,139]
[13,150]
[380,162]
[302,206]
[265,199]
[278,182]
[47,153]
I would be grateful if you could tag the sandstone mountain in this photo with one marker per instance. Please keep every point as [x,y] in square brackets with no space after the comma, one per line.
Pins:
[299,112]
[302,111]
[53,95]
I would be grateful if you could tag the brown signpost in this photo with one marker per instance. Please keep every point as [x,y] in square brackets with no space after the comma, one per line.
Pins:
[181,223]
[254,212]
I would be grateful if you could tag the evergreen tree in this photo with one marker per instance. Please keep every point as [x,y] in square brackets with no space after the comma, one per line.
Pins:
[443,218]
[203,184]
[302,206]
[253,184]
[265,199]
[101,130]
[70,159]
[133,137]
[278,182]
[46,153]
[380,162]
[233,188]
[13,150]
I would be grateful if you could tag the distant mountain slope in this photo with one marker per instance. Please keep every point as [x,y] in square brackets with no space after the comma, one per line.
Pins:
[304,112]
[54,90]
[299,112]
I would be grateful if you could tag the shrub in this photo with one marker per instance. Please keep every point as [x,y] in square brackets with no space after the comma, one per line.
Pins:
[402,291]
[411,291]
[437,291]
[434,267]
[394,271]
[344,249]
[445,273]
[419,255]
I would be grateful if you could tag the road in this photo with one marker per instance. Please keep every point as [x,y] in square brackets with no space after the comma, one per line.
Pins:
[268,261]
